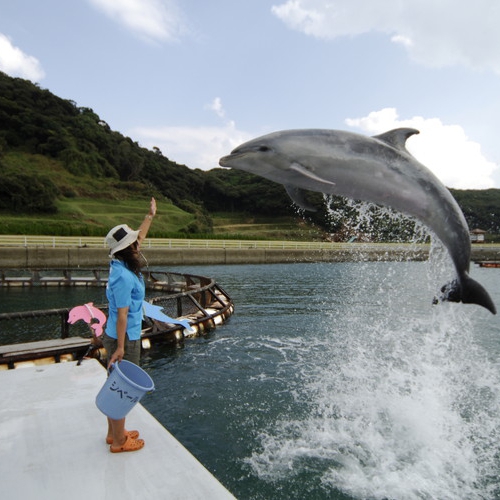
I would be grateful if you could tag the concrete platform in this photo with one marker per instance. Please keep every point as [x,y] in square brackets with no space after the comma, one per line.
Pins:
[52,443]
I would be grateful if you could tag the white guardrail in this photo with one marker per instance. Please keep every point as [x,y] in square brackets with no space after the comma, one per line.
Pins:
[98,242]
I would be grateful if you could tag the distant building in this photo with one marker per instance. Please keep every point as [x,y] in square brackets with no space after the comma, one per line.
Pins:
[477,236]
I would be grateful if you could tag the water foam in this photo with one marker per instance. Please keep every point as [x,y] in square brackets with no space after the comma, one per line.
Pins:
[399,409]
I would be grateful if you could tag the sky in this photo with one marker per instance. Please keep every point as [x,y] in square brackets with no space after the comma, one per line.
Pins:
[196,78]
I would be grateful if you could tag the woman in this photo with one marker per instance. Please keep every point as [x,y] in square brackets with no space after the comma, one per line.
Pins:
[125,293]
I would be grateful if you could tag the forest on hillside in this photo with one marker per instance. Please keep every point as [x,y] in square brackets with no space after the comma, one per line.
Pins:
[36,123]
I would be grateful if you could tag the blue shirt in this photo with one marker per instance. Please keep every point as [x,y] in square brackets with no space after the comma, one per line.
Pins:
[125,289]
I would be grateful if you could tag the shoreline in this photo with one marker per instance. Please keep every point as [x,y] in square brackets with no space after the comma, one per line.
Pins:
[46,257]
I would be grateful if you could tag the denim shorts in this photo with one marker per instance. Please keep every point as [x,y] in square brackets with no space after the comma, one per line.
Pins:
[132,348]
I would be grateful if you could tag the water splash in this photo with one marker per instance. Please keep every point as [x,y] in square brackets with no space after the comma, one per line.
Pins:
[370,222]
[403,402]
[398,409]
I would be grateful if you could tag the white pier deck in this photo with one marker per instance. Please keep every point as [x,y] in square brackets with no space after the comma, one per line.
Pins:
[52,443]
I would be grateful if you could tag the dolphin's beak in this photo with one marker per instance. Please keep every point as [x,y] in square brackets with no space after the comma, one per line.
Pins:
[223,162]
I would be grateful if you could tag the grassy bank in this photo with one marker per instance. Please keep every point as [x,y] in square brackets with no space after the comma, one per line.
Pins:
[94,217]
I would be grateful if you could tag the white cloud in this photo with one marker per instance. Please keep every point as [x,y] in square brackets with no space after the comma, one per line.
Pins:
[445,149]
[435,33]
[14,62]
[407,42]
[196,147]
[152,20]
[216,106]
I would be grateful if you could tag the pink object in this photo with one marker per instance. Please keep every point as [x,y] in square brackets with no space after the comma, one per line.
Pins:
[91,315]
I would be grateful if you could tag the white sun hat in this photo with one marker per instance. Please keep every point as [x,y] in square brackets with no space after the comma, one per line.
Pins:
[120,237]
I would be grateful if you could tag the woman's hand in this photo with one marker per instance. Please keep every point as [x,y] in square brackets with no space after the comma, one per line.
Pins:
[117,356]
[152,207]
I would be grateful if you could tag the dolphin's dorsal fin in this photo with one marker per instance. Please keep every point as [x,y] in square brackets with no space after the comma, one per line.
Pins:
[397,137]
[297,167]
[298,197]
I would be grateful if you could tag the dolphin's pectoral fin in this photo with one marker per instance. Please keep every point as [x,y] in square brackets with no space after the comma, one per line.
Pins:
[297,167]
[468,291]
[298,197]
[397,137]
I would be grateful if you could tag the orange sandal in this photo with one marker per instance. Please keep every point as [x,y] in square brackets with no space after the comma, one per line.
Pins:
[129,445]
[132,434]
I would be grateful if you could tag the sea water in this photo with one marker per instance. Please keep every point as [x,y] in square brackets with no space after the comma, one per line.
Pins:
[338,381]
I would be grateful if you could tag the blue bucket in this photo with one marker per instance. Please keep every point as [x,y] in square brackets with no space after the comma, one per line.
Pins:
[124,387]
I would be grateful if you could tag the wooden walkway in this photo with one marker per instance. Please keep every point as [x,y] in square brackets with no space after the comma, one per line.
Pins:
[53,447]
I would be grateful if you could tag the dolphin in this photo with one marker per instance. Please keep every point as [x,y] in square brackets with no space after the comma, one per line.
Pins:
[376,169]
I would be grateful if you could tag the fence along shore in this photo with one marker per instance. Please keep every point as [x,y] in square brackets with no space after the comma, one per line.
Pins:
[75,251]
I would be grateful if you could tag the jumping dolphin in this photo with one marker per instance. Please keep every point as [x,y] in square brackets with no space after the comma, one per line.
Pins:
[377,169]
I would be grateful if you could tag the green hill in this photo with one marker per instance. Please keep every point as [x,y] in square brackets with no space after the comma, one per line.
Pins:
[64,171]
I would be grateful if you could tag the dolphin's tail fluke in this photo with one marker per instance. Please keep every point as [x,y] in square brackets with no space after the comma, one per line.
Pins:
[468,291]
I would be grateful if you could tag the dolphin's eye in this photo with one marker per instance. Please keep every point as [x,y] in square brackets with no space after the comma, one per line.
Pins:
[263,149]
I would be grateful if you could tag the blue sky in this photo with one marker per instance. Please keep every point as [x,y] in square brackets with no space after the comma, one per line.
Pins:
[197,78]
